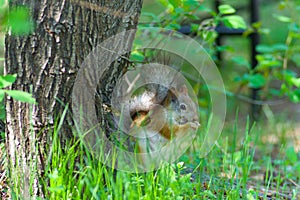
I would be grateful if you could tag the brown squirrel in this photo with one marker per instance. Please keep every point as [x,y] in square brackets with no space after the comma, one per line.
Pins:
[156,126]
[153,105]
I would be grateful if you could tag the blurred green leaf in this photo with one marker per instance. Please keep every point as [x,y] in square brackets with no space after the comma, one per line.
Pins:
[267,64]
[20,21]
[174,26]
[284,88]
[256,81]
[234,21]
[295,35]
[282,5]
[265,31]
[175,3]
[257,25]
[295,81]
[225,48]
[7,80]
[3,5]
[282,18]
[262,48]
[294,95]
[240,60]
[279,47]
[21,96]
[192,17]
[262,57]
[195,27]
[209,36]
[226,9]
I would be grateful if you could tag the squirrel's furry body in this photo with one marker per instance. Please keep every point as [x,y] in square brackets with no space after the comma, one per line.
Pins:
[173,118]
[160,113]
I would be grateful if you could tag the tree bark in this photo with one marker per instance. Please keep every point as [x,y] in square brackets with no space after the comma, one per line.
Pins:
[46,63]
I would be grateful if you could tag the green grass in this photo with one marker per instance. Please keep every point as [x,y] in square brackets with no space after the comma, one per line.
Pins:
[257,169]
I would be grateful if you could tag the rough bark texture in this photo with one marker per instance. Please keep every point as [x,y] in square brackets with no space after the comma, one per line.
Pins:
[46,63]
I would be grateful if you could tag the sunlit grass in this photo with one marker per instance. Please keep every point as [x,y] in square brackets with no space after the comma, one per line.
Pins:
[265,164]
[250,171]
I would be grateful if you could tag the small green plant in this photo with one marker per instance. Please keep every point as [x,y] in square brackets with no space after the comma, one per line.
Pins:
[74,173]
[276,72]
[6,81]
[178,13]
[17,19]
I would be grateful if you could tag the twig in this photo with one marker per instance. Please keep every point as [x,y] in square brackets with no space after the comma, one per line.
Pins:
[296,184]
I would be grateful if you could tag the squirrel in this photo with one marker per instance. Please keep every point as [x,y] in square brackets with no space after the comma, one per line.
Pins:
[158,113]
[159,124]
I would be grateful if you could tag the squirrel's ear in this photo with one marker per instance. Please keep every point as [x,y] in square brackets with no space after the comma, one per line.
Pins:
[183,90]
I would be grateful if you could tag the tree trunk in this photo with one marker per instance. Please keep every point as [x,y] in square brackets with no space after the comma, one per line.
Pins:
[46,63]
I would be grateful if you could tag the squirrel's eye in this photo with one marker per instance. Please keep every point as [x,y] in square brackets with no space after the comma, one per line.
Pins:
[182,106]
